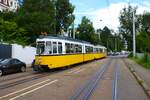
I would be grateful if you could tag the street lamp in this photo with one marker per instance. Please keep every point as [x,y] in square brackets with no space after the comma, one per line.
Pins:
[99,32]
[73,31]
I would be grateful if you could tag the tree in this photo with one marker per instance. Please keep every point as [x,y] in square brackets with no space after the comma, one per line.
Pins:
[143,37]
[8,15]
[11,33]
[118,42]
[106,37]
[64,15]
[145,22]
[86,31]
[143,41]
[126,22]
[37,16]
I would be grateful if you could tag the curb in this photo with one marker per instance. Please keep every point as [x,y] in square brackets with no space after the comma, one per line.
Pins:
[145,87]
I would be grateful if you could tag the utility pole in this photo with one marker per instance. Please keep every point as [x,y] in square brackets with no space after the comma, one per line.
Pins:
[73,31]
[99,31]
[115,44]
[134,41]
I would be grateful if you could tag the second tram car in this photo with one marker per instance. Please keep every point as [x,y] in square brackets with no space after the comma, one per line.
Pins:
[55,52]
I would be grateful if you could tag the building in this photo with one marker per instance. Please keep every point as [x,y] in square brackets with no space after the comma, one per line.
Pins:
[10,5]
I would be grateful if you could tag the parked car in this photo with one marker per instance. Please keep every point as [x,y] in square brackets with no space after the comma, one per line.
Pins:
[1,59]
[11,65]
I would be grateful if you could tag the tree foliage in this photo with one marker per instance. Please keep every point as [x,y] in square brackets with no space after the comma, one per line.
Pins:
[105,36]
[142,25]
[143,37]
[145,22]
[126,22]
[111,40]
[11,33]
[64,15]
[36,16]
[8,15]
[40,16]
[86,31]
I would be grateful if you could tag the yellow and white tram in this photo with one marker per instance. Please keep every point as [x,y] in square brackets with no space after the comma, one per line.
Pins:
[55,52]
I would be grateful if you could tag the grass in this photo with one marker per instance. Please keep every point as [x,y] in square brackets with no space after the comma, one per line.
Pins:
[145,64]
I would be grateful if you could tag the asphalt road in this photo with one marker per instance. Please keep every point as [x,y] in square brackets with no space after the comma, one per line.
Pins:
[105,79]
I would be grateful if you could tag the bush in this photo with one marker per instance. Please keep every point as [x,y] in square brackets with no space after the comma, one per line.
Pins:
[130,55]
[145,57]
[144,61]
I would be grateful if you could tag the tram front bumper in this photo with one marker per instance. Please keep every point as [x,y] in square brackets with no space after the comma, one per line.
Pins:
[36,67]
[40,68]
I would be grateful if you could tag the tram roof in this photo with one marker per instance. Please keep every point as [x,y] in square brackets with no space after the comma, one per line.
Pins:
[63,38]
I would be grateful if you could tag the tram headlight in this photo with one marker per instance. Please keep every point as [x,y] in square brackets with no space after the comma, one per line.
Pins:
[39,60]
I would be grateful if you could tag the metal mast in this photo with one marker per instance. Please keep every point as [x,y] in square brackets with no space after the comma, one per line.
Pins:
[134,41]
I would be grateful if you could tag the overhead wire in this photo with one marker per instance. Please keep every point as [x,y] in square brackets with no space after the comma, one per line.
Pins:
[109,12]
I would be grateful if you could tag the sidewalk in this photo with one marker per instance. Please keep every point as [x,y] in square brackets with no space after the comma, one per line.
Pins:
[143,73]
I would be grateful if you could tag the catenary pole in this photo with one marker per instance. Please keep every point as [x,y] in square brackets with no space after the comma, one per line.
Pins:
[134,38]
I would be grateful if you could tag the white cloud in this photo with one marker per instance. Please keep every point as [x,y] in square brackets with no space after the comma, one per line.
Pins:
[110,15]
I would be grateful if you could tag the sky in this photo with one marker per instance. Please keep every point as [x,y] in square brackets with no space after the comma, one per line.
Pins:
[105,12]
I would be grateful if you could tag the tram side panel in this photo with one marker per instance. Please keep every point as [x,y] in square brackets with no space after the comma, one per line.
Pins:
[99,55]
[88,53]
[88,57]
[56,61]
[96,55]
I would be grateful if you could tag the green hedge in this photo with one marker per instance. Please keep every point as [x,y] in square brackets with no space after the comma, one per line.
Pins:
[144,61]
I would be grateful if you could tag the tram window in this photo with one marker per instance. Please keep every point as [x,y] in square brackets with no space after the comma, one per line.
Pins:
[48,48]
[86,49]
[76,48]
[67,46]
[59,47]
[89,49]
[54,47]
[79,48]
[40,48]
[101,50]
[95,50]
[72,48]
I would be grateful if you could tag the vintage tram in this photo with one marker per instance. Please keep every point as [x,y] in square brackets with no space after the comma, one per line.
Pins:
[55,52]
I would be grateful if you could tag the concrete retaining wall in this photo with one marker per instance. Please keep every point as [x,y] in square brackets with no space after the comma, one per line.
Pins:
[25,54]
[141,55]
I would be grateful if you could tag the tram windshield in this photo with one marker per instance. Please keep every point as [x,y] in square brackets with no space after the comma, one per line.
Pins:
[40,48]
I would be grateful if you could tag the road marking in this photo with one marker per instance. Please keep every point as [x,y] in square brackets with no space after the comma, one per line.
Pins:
[33,90]
[79,71]
[115,83]
[74,71]
[23,89]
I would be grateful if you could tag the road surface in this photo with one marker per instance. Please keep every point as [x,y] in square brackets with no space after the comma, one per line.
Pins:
[104,79]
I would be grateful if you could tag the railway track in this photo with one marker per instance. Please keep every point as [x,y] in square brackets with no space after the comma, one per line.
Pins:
[84,92]
[11,84]
[4,79]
